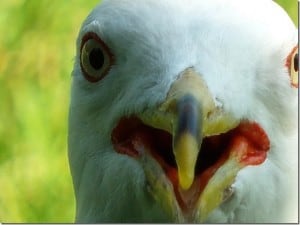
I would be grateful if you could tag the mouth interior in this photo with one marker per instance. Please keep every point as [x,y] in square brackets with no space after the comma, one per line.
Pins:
[131,130]
[131,135]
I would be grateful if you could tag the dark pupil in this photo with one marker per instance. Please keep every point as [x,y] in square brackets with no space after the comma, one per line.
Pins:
[96,58]
[296,63]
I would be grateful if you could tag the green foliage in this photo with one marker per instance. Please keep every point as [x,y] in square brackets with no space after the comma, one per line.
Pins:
[37,46]
[291,6]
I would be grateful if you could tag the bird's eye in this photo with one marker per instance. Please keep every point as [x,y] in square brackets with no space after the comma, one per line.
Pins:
[296,62]
[95,57]
[293,66]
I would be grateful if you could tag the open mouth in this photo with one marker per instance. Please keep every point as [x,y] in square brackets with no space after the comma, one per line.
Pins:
[247,140]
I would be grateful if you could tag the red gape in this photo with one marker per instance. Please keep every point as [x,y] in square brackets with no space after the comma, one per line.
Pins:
[248,144]
[251,144]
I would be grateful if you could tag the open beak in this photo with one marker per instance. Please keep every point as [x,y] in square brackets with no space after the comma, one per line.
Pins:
[208,146]
[195,115]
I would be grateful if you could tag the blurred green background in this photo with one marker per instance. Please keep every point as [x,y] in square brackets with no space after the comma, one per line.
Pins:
[37,46]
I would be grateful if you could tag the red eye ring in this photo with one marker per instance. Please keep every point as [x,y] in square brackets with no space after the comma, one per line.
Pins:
[292,63]
[96,58]
[290,57]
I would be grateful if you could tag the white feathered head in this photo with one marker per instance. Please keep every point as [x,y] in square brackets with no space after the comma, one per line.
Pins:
[185,111]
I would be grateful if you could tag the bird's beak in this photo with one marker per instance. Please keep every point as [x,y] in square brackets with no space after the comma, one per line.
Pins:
[190,115]
[195,115]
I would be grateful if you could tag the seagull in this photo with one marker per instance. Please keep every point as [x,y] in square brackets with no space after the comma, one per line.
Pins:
[185,112]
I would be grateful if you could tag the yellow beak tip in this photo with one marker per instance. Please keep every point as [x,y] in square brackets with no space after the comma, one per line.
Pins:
[185,180]
[186,152]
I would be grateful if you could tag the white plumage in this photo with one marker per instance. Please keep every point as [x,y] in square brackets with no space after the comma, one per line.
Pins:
[238,49]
